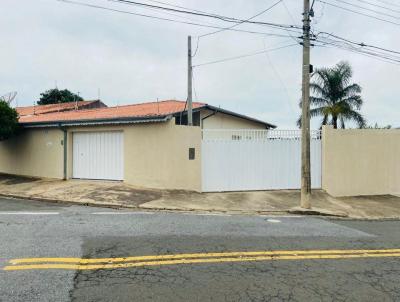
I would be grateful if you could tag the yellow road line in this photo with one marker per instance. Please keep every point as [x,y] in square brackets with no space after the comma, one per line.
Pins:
[195,261]
[195,255]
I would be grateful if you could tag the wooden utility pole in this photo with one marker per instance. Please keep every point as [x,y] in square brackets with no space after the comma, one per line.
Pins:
[305,116]
[190,77]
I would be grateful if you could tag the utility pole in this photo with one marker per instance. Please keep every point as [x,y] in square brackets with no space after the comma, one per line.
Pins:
[190,77]
[305,116]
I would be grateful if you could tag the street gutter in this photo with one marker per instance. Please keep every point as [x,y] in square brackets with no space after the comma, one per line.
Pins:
[320,213]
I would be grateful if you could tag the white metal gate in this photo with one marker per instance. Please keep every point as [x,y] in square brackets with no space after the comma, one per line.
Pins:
[243,160]
[98,155]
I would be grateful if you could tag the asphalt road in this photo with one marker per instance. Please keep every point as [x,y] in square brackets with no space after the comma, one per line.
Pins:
[30,229]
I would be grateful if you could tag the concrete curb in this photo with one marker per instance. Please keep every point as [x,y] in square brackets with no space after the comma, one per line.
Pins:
[119,206]
[293,211]
[69,202]
[317,212]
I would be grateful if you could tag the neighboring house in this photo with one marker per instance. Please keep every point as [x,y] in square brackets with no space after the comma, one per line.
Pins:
[42,109]
[143,144]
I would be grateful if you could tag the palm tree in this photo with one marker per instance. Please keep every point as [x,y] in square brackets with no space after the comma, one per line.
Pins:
[335,98]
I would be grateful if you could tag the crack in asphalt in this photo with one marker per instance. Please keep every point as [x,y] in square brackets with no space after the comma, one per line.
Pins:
[311,280]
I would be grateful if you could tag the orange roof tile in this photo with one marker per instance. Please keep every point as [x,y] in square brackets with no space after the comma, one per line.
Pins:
[44,109]
[162,108]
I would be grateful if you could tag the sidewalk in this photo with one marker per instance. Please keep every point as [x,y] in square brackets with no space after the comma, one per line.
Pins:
[117,194]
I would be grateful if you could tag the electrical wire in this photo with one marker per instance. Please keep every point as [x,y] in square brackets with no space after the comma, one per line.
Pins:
[245,55]
[390,61]
[291,16]
[389,3]
[167,19]
[312,5]
[177,6]
[230,27]
[220,17]
[194,87]
[379,6]
[380,55]
[368,9]
[241,22]
[279,78]
[362,44]
[317,20]
[180,16]
[359,13]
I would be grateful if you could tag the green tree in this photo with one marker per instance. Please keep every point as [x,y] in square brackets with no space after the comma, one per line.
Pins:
[55,96]
[335,98]
[8,121]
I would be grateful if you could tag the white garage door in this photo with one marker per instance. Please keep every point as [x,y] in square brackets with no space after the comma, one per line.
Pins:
[98,155]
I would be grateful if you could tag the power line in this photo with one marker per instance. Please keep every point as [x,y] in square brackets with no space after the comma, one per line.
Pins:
[389,58]
[167,19]
[359,48]
[291,16]
[244,56]
[317,20]
[288,11]
[380,6]
[178,16]
[362,44]
[359,13]
[194,88]
[312,5]
[168,13]
[279,77]
[241,22]
[373,56]
[177,6]
[389,3]
[230,27]
[208,15]
[368,9]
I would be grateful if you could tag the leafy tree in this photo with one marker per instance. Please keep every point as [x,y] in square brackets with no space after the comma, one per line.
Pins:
[8,121]
[55,96]
[335,98]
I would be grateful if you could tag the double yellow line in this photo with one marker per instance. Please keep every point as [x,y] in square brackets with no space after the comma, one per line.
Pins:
[158,260]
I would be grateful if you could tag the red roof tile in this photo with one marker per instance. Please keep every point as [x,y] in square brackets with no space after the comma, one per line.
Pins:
[44,109]
[161,108]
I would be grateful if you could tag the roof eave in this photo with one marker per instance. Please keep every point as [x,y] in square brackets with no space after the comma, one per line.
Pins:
[96,122]
[213,108]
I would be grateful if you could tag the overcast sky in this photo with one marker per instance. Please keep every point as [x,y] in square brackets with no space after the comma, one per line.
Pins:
[132,59]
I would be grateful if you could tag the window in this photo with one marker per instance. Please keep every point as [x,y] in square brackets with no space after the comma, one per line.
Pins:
[184,121]
[192,153]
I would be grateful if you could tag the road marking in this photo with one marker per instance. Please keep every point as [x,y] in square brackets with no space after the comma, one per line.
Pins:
[208,214]
[274,220]
[122,213]
[281,216]
[126,262]
[29,213]
[193,261]
[198,255]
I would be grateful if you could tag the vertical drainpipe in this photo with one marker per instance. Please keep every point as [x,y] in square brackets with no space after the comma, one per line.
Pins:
[65,144]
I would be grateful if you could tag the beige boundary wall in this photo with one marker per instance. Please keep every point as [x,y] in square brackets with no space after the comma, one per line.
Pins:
[155,155]
[360,162]
[34,152]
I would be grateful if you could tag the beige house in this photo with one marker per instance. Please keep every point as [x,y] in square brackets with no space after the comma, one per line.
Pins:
[149,145]
[143,144]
